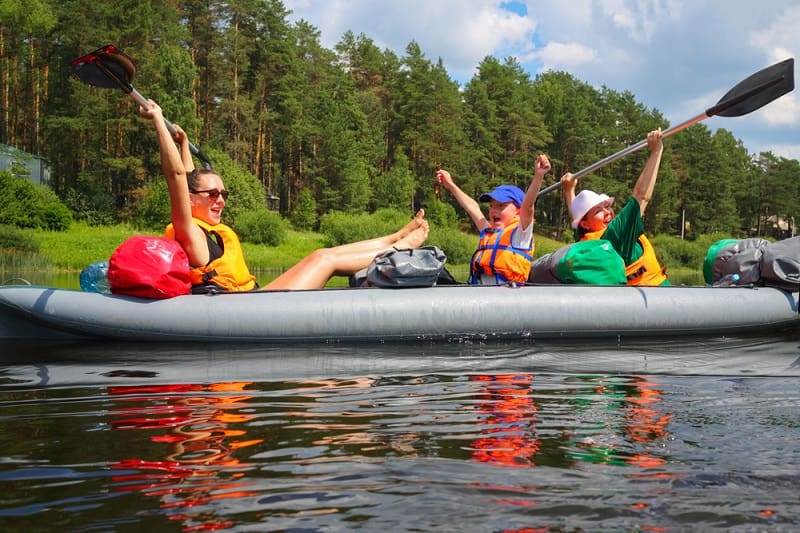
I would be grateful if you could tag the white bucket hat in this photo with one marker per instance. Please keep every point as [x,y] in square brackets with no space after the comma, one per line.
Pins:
[584,202]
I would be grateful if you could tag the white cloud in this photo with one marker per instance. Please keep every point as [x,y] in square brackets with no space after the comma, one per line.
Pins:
[789,151]
[566,56]
[679,56]
[640,19]
[461,32]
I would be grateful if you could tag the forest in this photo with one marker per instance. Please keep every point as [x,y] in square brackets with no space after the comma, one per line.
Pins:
[308,131]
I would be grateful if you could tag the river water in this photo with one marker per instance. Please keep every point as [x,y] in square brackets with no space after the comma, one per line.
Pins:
[691,435]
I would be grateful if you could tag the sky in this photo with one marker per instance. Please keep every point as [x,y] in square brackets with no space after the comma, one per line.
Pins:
[677,56]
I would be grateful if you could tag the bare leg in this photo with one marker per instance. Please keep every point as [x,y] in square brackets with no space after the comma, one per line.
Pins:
[314,271]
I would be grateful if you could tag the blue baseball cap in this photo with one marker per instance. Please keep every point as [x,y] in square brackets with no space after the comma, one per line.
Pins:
[504,193]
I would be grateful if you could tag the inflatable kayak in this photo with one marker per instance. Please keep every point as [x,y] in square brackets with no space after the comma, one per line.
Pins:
[441,313]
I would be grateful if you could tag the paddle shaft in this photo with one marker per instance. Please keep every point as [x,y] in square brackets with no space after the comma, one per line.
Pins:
[142,101]
[782,80]
[626,151]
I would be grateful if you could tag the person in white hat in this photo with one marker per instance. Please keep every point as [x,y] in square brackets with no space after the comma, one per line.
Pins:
[505,249]
[593,217]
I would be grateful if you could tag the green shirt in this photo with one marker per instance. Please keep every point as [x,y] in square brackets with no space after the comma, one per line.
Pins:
[623,232]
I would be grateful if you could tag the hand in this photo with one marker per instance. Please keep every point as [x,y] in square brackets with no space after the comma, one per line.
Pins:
[179,134]
[568,182]
[153,110]
[443,177]
[542,165]
[654,140]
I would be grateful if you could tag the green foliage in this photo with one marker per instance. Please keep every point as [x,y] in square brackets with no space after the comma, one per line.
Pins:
[341,228]
[261,227]
[395,188]
[304,213]
[705,241]
[152,209]
[81,244]
[298,244]
[545,245]
[13,238]
[355,191]
[26,205]
[458,246]
[674,251]
[94,206]
[358,126]
[440,214]
[55,216]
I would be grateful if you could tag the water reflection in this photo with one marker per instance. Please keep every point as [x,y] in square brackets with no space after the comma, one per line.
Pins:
[198,436]
[619,422]
[199,463]
[509,414]
[317,441]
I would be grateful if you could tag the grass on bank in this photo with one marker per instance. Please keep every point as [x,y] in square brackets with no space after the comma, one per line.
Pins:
[81,245]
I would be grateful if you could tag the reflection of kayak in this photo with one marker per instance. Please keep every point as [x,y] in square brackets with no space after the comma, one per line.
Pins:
[421,314]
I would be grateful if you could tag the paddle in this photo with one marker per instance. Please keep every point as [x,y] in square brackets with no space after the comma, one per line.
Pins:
[754,92]
[110,68]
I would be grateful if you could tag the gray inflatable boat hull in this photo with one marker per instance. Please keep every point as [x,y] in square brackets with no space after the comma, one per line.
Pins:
[448,313]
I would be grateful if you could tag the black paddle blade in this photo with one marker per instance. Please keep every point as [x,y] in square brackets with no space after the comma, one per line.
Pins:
[107,67]
[756,91]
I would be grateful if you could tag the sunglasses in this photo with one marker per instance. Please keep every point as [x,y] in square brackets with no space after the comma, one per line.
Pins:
[213,194]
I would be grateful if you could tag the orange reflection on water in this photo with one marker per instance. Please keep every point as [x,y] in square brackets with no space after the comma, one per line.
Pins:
[199,465]
[510,440]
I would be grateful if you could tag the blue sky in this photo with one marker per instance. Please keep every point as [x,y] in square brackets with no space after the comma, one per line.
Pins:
[679,56]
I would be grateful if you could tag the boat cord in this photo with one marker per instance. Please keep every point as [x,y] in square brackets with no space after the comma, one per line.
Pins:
[11,281]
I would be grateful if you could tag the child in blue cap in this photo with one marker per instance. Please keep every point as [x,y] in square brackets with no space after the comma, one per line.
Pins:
[505,248]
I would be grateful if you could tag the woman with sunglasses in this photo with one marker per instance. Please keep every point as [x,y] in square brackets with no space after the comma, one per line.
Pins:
[593,218]
[197,199]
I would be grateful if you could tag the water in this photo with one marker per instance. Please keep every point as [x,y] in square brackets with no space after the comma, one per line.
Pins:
[698,434]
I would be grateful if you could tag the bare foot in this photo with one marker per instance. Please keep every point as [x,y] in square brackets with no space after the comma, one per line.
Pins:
[413,224]
[416,238]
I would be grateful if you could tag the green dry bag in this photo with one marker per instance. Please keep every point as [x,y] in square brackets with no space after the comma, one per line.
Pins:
[593,262]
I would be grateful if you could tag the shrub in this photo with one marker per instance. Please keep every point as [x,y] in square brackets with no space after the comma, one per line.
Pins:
[12,238]
[673,251]
[304,213]
[341,228]
[55,217]
[152,209]
[440,214]
[261,227]
[395,188]
[705,241]
[26,205]
[91,202]
[456,245]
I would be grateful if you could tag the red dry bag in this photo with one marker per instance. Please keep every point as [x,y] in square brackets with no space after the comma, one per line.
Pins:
[149,267]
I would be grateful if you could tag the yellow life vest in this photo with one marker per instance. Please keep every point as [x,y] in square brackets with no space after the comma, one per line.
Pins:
[644,271]
[229,271]
[496,256]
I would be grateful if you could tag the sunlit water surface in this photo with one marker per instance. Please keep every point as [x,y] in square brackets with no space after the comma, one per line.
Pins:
[684,435]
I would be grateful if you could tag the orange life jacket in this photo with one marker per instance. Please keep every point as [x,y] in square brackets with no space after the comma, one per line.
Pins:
[496,256]
[229,271]
[644,271]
